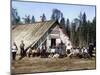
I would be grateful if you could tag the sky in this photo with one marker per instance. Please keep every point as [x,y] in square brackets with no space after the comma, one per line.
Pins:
[37,9]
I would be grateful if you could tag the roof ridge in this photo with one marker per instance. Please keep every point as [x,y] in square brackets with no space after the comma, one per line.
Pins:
[38,22]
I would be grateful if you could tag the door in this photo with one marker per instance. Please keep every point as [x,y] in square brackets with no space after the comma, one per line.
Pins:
[53,42]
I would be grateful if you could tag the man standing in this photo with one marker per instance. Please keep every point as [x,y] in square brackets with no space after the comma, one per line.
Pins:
[90,51]
[14,50]
[22,45]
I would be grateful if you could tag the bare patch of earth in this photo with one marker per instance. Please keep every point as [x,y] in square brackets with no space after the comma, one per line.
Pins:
[37,64]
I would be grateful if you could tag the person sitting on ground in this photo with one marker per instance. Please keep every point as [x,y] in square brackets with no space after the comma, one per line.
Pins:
[29,52]
[68,49]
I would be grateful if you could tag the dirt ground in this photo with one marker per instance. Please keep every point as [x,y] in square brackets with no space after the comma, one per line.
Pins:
[37,64]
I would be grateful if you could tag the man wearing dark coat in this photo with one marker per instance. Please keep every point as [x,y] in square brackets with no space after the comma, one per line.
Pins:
[90,51]
[22,51]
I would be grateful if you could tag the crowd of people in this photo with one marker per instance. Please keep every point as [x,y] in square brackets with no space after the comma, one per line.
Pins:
[84,52]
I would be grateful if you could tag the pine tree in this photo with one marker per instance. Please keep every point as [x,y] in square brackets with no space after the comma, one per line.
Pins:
[43,18]
[62,22]
[56,14]
[33,19]
[67,26]
[15,18]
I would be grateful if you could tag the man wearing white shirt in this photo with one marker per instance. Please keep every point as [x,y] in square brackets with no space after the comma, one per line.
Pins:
[14,50]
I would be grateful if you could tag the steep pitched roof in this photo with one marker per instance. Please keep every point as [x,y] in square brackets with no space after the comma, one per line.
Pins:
[30,33]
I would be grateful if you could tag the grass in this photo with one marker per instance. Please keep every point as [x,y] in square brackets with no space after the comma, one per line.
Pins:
[36,64]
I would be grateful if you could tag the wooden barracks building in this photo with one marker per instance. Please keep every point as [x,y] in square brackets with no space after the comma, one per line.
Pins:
[37,34]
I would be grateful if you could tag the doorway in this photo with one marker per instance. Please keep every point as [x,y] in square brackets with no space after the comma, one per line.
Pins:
[53,42]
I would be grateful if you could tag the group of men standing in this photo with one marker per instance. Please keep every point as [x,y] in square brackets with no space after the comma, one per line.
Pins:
[15,48]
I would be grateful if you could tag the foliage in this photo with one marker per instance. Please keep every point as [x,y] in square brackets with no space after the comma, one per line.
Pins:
[56,14]
[62,21]
[43,17]
[83,32]
[33,19]
[15,18]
